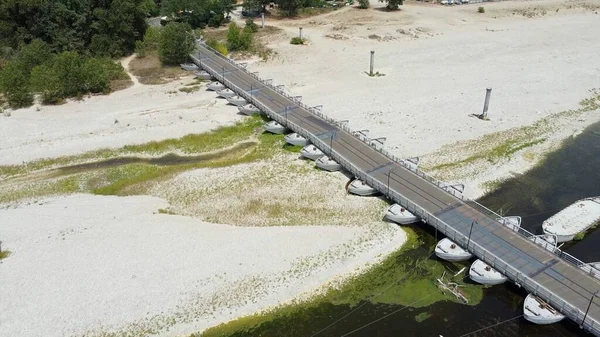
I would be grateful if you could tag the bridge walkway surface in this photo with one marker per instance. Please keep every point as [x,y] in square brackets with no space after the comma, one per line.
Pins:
[552,275]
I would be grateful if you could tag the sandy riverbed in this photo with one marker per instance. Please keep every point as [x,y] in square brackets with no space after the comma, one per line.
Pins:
[90,263]
[539,57]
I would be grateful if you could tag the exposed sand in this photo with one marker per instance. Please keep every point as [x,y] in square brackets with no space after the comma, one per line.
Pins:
[89,263]
[138,114]
[437,63]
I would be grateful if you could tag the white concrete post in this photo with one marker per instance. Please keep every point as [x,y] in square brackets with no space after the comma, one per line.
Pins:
[488,93]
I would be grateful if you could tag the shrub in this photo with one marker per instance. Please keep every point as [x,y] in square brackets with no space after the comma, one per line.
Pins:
[364,4]
[481,10]
[45,81]
[222,48]
[34,54]
[140,49]
[297,40]
[14,83]
[253,27]
[393,5]
[239,39]
[152,38]
[95,76]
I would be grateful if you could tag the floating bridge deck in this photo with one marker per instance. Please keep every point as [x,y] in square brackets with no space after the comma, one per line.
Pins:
[553,276]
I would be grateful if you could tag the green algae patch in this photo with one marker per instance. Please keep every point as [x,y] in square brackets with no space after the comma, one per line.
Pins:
[422,316]
[292,148]
[406,278]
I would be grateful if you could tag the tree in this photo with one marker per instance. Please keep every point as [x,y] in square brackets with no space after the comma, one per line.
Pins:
[14,84]
[234,37]
[94,75]
[100,27]
[176,43]
[393,4]
[34,54]
[45,81]
[363,4]
[198,14]
[68,66]
[238,39]
[290,7]
[257,5]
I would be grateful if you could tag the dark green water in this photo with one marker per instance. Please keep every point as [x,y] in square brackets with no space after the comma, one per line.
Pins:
[566,176]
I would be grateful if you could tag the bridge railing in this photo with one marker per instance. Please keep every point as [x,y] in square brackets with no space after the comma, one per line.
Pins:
[279,89]
[496,262]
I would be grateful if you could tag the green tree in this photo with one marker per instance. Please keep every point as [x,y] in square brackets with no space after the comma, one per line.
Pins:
[393,4]
[34,54]
[45,81]
[363,4]
[99,27]
[234,37]
[290,7]
[196,13]
[68,66]
[14,84]
[176,43]
[257,5]
[95,77]
[152,38]
[238,39]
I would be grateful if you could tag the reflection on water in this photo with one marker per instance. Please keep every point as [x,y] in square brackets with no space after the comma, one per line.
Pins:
[567,175]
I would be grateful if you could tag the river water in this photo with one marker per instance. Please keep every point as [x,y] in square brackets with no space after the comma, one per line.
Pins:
[569,174]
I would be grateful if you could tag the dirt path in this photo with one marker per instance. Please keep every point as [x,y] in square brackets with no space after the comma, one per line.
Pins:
[125,63]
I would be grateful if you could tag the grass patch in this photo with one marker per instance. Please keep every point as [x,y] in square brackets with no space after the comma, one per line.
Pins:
[501,151]
[190,89]
[259,42]
[60,186]
[166,211]
[292,148]
[191,144]
[149,70]
[375,74]
[297,40]
[133,179]
[4,254]
[419,283]
[502,145]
